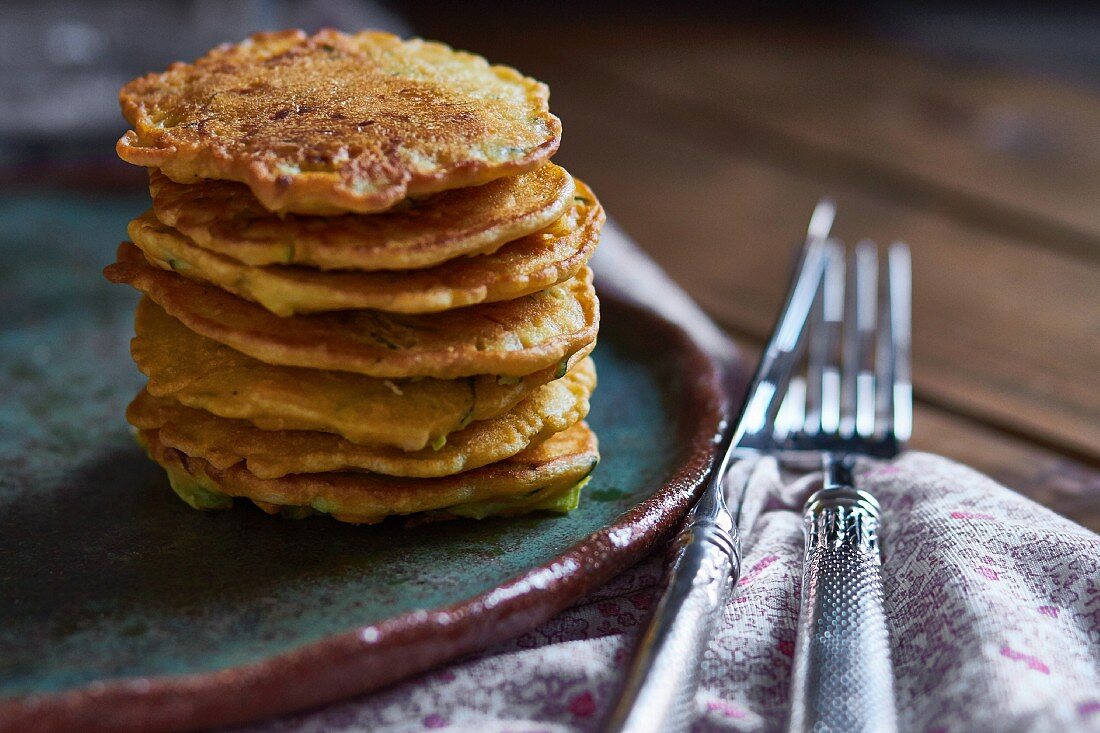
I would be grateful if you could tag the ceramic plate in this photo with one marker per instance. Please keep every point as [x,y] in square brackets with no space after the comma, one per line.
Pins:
[122,609]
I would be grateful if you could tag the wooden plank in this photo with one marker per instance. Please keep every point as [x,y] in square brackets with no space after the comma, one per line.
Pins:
[1006,145]
[1062,484]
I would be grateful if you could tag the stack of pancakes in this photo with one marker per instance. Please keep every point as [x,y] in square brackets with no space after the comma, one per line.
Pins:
[365,285]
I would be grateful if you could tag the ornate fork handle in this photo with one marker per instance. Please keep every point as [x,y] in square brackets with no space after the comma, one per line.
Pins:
[842,677]
[660,687]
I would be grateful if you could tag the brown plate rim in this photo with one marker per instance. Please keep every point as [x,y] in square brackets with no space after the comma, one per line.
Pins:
[367,658]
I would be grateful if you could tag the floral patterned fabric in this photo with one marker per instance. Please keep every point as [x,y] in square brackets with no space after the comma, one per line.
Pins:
[994,603]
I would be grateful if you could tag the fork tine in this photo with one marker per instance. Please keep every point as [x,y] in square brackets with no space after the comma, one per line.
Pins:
[821,221]
[823,372]
[853,397]
[792,411]
[885,360]
[781,413]
[900,278]
[849,357]
[811,424]
[866,306]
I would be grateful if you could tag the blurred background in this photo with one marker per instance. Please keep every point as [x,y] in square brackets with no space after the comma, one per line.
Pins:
[709,130]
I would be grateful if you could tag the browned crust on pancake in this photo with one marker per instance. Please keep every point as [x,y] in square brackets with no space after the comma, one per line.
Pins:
[225,217]
[477,340]
[270,454]
[334,122]
[406,413]
[558,463]
[525,266]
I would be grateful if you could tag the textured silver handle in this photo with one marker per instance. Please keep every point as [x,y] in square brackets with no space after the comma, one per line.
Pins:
[842,679]
[660,687]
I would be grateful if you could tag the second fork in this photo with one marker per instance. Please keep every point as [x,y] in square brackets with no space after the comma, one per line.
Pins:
[856,400]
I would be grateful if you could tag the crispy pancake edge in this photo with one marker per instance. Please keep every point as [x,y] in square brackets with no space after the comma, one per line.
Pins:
[222,442]
[173,293]
[399,239]
[294,398]
[454,284]
[559,463]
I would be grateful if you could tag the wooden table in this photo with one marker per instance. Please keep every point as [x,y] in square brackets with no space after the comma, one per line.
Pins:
[710,141]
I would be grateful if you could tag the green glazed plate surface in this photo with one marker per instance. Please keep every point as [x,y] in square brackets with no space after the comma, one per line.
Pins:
[106,574]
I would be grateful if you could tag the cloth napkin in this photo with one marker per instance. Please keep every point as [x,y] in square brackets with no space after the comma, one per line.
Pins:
[994,604]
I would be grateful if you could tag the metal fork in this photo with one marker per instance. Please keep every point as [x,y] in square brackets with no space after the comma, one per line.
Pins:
[855,400]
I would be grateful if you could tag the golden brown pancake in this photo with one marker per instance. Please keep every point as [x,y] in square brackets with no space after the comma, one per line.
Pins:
[532,263]
[406,413]
[509,338]
[333,122]
[536,478]
[271,454]
[225,217]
